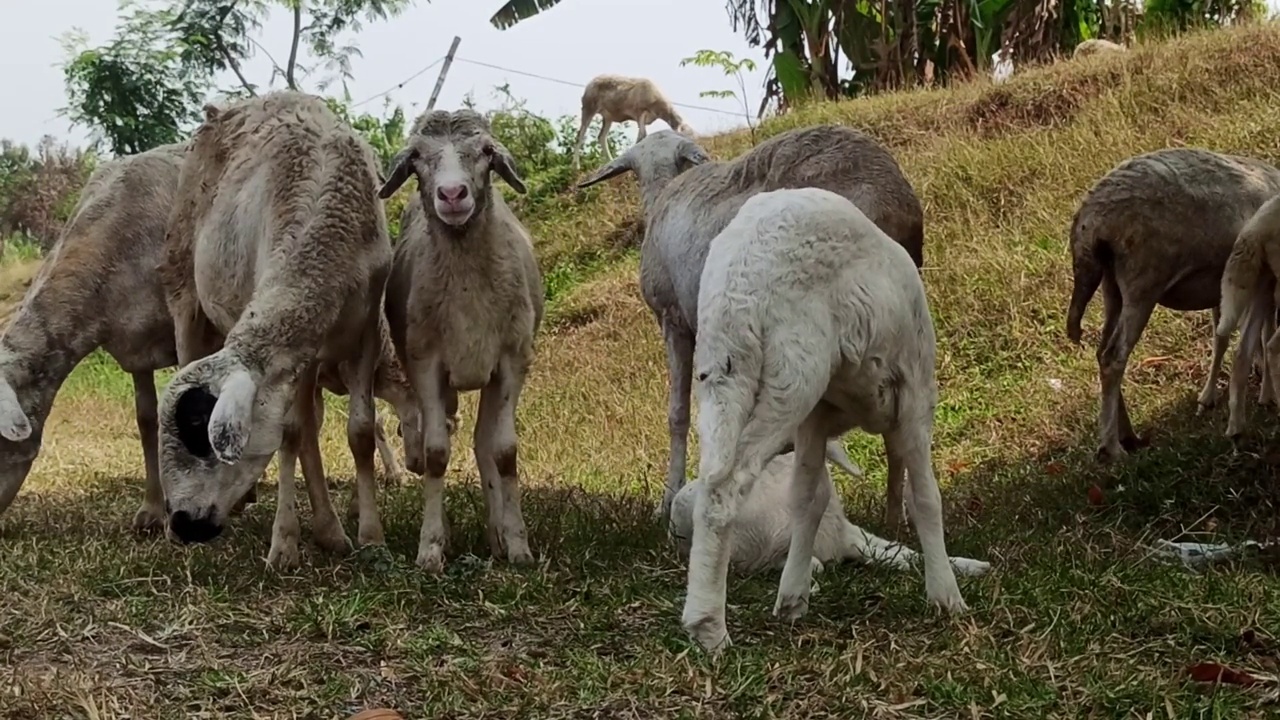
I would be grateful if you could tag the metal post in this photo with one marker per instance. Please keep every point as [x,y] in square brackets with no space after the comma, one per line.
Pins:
[444,70]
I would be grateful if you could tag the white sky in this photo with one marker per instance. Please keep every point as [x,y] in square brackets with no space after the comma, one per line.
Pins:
[573,41]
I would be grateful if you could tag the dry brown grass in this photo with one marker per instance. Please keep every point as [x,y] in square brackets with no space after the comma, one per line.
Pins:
[1075,620]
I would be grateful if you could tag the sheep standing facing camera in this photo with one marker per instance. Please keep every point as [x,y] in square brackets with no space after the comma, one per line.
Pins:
[811,321]
[689,198]
[464,301]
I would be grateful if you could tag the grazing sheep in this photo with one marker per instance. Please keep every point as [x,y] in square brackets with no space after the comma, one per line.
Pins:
[277,242]
[762,531]
[1157,229]
[1096,46]
[103,260]
[617,99]
[688,199]
[811,321]
[464,301]
[1249,290]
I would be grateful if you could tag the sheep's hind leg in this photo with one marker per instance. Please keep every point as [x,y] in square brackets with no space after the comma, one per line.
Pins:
[1209,395]
[680,376]
[1241,366]
[1115,432]
[911,442]
[496,448]
[150,515]
[810,493]
[391,465]
[432,537]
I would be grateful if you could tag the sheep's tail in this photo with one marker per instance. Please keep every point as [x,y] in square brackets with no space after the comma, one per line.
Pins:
[1240,279]
[1089,259]
[727,366]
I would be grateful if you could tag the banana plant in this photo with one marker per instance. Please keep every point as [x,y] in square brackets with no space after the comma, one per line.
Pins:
[514,11]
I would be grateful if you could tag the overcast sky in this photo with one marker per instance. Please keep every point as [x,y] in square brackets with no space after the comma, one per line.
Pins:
[572,42]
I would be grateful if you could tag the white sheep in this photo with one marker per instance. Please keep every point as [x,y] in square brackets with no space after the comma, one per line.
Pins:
[762,530]
[811,321]
[464,301]
[689,198]
[617,99]
[1096,46]
[278,243]
[1249,291]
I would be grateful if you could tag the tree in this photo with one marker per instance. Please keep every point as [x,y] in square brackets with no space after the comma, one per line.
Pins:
[514,11]
[146,86]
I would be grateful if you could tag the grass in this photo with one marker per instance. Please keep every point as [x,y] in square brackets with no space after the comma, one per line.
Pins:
[1075,621]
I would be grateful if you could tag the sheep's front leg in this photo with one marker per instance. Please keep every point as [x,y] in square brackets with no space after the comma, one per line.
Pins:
[428,381]
[284,531]
[362,434]
[911,442]
[1241,365]
[894,512]
[496,451]
[587,114]
[642,123]
[680,378]
[326,528]
[810,493]
[151,515]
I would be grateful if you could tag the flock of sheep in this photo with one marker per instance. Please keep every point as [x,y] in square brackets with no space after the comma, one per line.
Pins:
[256,257]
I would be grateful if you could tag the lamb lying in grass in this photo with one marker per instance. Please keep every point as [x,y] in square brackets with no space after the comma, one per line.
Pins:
[763,530]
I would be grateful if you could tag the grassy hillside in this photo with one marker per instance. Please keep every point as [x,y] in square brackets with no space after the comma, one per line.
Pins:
[1075,620]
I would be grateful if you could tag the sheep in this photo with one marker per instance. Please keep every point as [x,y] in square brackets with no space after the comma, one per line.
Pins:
[277,257]
[618,99]
[102,261]
[464,302]
[688,199]
[1095,46]
[1157,229]
[763,526]
[811,321]
[1248,289]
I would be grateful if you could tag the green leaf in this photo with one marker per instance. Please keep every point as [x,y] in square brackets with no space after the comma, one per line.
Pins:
[516,10]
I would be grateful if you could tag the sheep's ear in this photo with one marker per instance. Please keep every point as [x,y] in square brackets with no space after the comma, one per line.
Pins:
[615,168]
[401,168]
[14,424]
[232,416]
[505,165]
[211,112]
[695,155]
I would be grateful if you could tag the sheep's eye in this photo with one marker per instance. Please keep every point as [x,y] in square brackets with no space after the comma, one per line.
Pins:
[488,150]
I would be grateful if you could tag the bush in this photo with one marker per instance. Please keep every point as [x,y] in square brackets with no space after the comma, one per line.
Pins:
[37,194]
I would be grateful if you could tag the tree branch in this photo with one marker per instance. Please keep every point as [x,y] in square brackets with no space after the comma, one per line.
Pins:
[293,48]
[235,66]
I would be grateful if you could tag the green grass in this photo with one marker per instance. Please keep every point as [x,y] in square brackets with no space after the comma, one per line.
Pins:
[1074,621]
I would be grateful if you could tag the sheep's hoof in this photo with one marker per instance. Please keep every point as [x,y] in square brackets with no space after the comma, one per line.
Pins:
[284,553]
[1134,443]
[947,597]
[148,520]
[1106,455]
[248,499]
[969,567]
[431,559]
[709,633]
[371,536]
[790,607]
[1204,404]
[520,557]
[332,539]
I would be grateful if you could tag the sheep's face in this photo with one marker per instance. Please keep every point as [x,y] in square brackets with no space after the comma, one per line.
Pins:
[658,158]
[453,173]
[218,431]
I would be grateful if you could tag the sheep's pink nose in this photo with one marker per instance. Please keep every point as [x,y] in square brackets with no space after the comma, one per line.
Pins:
[451,193]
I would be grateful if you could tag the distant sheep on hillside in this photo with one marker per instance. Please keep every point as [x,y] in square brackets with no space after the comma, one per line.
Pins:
[1095,46]
[618,99]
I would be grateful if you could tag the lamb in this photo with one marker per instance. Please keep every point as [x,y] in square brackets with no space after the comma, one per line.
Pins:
[1095,46]
[464,302]
[688,199]
[278,244]
[618,99]
[763,526]
[104,259]
[811,321]
[1249,290]
[1157,229]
